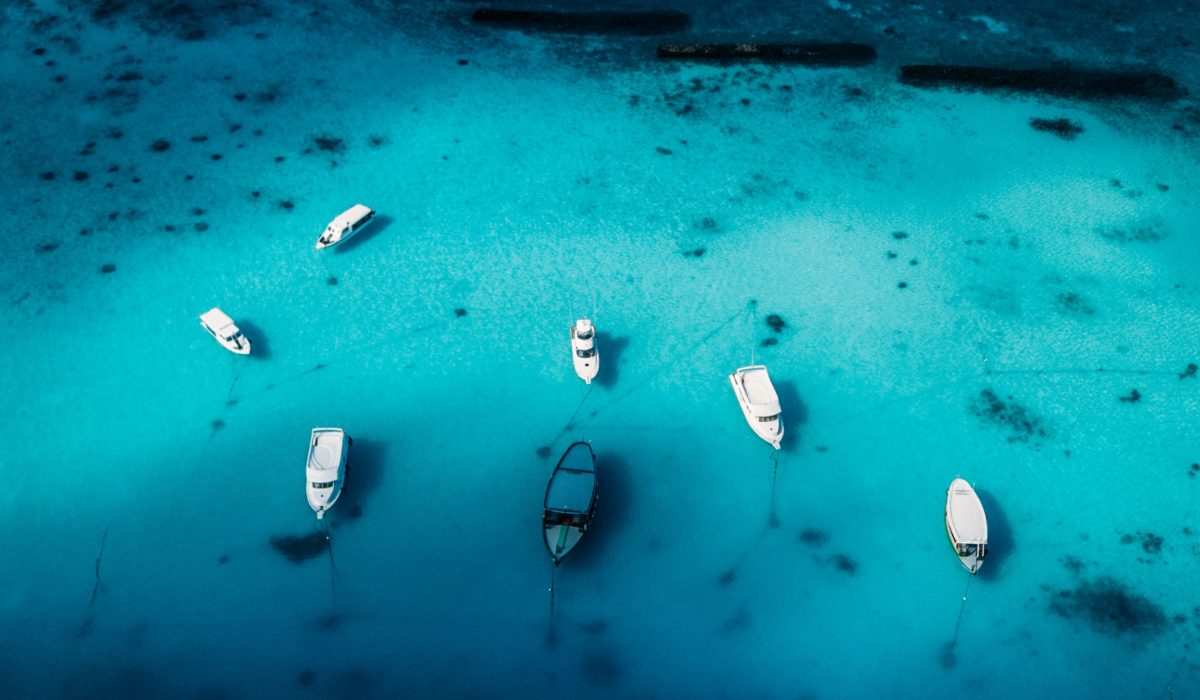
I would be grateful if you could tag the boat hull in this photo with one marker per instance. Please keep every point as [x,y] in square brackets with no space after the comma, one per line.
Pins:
[770,431]
[560,539]
[328,461]
[571,498]
[966,525]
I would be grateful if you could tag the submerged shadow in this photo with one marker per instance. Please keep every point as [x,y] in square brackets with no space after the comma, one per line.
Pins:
[612,475]
[795,414]
[259,347]
[364,473]
[611,348]
[1000,539]
[372,230]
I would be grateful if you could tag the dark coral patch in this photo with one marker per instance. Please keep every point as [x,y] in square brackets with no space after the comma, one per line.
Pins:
[107,268]
[47,175]
[160,145]
[223,559]
[1133,397]
[331,281]
[1023,425]
[460,312]
[768,342]
[81,175]
[543,451]
[1189,372]
[329,144]
[813,537]
[1111,608]
[300,549]
[47,246]
[776,322]
[899,235]
[844,564]
[663,151]
[1062,128]
[287,205]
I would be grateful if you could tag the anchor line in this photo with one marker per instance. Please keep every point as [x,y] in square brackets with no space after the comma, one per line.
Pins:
[774,519]
[687,352]
[962,609]
[99,558]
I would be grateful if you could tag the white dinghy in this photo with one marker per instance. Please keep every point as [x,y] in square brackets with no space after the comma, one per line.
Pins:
[221,327]
[328,453]
[345,225]
[570,500]
[759,402]
[966,524]
[583,350]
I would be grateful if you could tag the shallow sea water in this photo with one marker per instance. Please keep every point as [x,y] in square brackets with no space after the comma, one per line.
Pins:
[952,283]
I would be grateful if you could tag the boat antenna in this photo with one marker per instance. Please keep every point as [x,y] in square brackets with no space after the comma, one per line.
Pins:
[948,657]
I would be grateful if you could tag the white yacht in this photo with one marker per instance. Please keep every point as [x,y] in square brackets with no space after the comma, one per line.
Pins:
[583,350]
[328,452]
[345,225]
[221,327]
[966,524]
[570,500]
[759,402]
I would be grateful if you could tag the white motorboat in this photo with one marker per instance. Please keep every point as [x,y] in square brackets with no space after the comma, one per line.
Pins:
[966,524]
[221,327]
[328,454]
[345,225]
[759,402]
[583,350]
[570,500]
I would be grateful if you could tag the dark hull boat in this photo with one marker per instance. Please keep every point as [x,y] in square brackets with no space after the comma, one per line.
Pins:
[570,500]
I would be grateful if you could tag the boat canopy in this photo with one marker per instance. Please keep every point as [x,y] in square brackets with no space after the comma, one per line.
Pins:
[760,394]
[573,486]
[325,454]
[967,518]
[218,320]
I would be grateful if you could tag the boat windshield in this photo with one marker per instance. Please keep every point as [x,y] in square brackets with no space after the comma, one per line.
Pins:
[590,352]
[969,549]
[584,335]
[768,419]
[323,485]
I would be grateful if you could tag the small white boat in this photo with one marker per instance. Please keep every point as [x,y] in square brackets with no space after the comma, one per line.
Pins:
[966,524]
[328,453]
[345,225]
[583,350]
[570,500]
[221,327]
[759,402]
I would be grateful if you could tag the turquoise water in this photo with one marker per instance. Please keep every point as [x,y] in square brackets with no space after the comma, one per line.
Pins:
[950,281]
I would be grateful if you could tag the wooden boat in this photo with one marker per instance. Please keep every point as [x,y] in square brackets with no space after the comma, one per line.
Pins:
[328,456]
[966,524]
[570,500]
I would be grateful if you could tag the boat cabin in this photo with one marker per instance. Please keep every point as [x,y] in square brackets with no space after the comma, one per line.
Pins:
[220,326]
[346,224]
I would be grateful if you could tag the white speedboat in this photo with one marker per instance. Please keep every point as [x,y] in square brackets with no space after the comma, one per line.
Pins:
[328,452]
[570,500]
[221,327]
[759,402]
[966,524]
[583,350]
[345,225]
